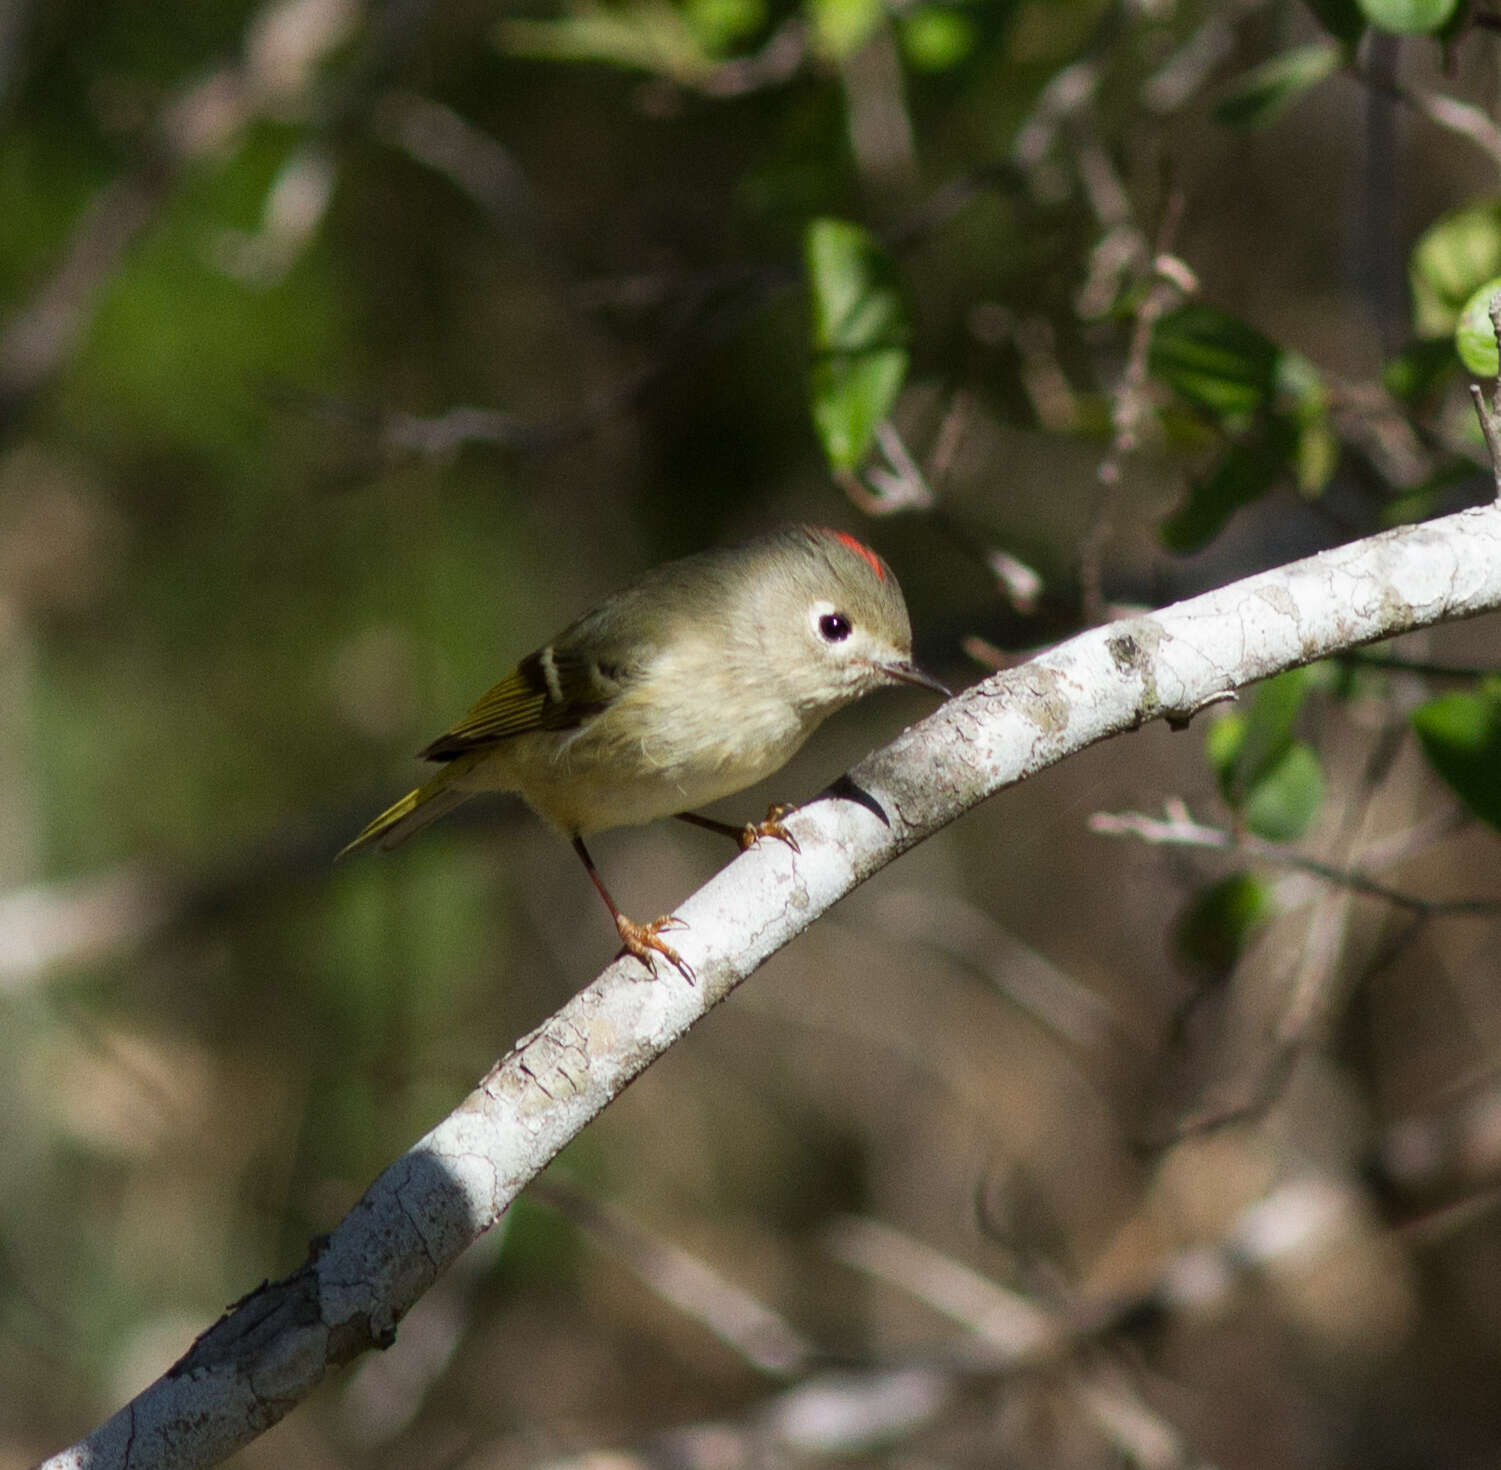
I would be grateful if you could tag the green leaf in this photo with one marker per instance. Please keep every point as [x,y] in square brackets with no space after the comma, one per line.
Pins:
[842,27]
[721,25]
[1475,335]
[1257,98]
[1272,715]
[1301,384]
[1461,736]
[1273,781]
[1409,17]
[1316,453]
[1419,370]
[936,37]
[1213,360]
[859,337]
[1222,745]
[642,35]
[1228,369]
[1211,932]
[1243,474]
[1267,720]
[1456,255]
[1282,802]
[1316,458]
[1341,18]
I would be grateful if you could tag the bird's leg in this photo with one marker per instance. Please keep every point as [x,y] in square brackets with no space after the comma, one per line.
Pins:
[641,940]
[752,832]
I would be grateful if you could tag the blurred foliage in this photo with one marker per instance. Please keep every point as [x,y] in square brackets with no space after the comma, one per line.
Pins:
[347,351]
[1263,94]
[859,339]
[1461,735]
[1213,928]
[1270,779]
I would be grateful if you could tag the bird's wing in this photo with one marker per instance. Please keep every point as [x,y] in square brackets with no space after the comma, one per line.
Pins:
[553,689]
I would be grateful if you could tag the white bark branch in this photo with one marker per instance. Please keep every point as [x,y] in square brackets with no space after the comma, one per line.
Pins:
[270,1350]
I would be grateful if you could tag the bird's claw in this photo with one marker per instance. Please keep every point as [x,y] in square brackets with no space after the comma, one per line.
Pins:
[771,826]
[645,942]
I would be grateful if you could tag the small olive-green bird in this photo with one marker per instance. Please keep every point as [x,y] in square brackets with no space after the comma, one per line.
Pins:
[696,682]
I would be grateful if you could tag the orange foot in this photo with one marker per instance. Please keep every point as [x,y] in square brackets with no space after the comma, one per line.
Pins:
[645,942]
[753,832]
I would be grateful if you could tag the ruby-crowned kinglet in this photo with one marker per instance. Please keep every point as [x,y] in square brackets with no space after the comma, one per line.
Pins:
[704,677]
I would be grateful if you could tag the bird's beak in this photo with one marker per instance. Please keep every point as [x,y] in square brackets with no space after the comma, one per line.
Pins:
[907,672]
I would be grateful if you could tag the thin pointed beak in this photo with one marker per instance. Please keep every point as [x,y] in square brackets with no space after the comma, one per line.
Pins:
[909,673]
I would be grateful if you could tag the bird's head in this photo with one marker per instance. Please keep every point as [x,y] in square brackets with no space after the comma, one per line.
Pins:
[831,619]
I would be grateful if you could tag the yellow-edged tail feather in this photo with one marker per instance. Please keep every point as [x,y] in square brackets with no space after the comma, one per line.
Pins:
[415,810]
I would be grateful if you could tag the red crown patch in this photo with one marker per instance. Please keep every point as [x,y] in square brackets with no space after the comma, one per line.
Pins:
[863,552]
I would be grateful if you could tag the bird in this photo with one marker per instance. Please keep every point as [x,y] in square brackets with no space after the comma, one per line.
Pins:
[701,678]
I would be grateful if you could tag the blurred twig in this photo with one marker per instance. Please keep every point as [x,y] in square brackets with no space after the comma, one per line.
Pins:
[1449,113]
[1014,1329]
[48,925]
[763,1337]
[1178,829]
[1027,979]
[1397,664]
[1168,282]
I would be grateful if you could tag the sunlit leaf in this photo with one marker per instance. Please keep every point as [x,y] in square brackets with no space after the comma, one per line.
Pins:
[644,35]
[1453,259]
[1302,388]
[1257,98]
[1317,458]
[720,25]
[1475,335]
[936,37]
[843,26]
[1409,17]
[859,337]
[1461,735]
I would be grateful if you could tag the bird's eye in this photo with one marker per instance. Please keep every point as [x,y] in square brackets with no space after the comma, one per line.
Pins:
[834,627]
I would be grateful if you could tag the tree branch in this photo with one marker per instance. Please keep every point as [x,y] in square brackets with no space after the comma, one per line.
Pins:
[272,1348]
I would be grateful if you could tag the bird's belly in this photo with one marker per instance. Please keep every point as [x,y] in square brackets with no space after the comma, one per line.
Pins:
[600,777]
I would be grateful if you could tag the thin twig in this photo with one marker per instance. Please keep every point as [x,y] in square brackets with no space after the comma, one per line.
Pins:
[1395,664]
[1179,830]
[1447,112]
[1489,413]
[686,1281]
[1171,280]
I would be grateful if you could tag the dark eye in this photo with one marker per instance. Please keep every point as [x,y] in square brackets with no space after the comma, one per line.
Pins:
[834,627]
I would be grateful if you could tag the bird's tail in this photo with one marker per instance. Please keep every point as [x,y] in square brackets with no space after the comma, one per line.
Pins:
[431,800]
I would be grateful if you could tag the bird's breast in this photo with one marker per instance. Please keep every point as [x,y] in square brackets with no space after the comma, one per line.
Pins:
[689,730]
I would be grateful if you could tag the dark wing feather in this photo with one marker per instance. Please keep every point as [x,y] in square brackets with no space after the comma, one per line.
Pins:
[552,689]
